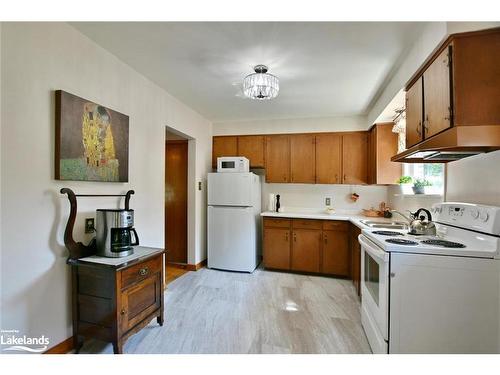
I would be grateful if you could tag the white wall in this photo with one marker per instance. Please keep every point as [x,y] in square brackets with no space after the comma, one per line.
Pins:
[296,125]
[432,34]
[400,202]
[1,305]
[475,179]
[298,196]
[38,58]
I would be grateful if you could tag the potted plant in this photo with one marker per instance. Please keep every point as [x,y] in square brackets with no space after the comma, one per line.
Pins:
[419,185]
[406,183]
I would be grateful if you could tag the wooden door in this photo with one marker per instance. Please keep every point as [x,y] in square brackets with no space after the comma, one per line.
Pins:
[176,165]
[306,250]
[252,147]
[276,251]
[414,114]
[336,253]
[223,146]
[139,301]
[329,158]
[278,158]
[302,158]
[437,98]
[355,158]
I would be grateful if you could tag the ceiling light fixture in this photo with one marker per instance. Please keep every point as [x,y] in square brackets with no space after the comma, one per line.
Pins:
[261,85]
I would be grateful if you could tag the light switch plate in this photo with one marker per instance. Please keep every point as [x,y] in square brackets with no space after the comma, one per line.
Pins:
[89,225]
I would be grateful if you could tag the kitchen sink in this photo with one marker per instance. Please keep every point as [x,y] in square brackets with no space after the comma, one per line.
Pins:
[384,224]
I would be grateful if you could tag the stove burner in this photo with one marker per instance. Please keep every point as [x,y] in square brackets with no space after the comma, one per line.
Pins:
[387,233]
[443,243]
[401,241]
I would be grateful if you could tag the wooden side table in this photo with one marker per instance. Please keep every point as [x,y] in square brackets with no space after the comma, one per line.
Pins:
[114,298]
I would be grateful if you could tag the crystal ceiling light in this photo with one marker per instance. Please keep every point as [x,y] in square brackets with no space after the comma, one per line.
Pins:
[261,85]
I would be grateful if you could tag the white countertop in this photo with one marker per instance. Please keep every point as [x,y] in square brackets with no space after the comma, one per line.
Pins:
[139,252]
[353,217]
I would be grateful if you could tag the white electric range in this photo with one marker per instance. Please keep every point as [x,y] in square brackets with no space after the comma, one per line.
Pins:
[434,294]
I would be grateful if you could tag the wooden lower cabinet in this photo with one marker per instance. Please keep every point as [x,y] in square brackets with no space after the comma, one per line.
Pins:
[306,249]
[112,302]
[336,257]
[303,245]
[277,248]
[356,258]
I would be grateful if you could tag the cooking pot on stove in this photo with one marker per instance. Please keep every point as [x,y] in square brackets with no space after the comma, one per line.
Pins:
[422,224]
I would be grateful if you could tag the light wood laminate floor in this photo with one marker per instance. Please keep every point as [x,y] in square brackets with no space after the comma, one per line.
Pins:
[212,311]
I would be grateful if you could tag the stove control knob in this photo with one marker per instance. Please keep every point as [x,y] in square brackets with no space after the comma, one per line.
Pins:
[484,216]
[474,213]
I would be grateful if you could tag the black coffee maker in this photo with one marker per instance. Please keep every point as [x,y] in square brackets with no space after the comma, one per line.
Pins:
[115,232]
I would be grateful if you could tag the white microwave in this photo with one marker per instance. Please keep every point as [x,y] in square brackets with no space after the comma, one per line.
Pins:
[233,164]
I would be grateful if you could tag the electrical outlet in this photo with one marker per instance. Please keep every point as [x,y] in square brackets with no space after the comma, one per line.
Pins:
[328,201]
[199,185]
[89,225]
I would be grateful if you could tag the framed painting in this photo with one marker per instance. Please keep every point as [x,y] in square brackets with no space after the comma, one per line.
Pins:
[91,141]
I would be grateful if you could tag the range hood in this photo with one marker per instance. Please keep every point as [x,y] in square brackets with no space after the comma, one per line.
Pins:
[453,144]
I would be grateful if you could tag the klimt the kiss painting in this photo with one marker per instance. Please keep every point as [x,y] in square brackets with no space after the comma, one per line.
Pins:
[91,141]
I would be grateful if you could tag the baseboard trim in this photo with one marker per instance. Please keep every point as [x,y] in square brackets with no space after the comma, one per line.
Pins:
[63,347]
[196,267]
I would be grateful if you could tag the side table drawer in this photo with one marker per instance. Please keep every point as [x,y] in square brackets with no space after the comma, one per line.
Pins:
[140,271]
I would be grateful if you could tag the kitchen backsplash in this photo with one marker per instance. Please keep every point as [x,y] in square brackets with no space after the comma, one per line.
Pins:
[313,196]
[397,201]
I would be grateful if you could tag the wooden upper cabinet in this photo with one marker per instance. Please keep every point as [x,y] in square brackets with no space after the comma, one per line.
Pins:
[437,94]
[302,158]
[278,158]
[223,146]
[329,158]
[382,146]
[414,113]
[476,82]
[355,158]
[252,147]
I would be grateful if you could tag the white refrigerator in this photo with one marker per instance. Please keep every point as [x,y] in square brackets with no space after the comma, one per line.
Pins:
[234,221]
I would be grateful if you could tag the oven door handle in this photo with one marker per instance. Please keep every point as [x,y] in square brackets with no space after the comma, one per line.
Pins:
[373,249]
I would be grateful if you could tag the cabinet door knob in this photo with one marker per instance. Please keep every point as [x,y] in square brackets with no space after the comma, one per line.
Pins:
[286,236]
[143,271]
[294,237]
[122,312]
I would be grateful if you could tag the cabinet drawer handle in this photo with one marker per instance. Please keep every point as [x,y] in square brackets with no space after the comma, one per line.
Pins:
[143,271]
[326,239]
[419,132]
[122,312]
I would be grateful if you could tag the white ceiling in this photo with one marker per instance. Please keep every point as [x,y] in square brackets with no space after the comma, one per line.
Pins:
[325,69]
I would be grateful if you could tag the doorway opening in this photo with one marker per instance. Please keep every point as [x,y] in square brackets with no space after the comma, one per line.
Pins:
[176,199]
